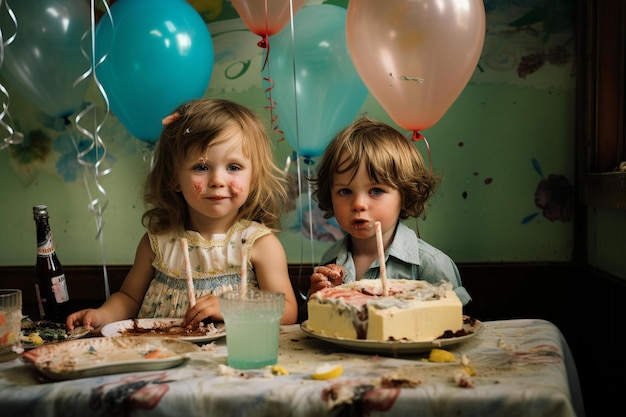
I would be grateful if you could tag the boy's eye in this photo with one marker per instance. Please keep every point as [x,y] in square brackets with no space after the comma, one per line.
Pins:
[344,192]
[377,191]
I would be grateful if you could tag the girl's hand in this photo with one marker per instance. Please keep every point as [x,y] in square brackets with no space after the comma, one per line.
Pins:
[88,318]
[206,307]
[326,276]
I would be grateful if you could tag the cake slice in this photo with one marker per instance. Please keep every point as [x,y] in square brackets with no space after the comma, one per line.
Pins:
[413,310]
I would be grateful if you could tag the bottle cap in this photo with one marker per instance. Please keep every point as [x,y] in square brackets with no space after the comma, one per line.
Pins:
[39,211]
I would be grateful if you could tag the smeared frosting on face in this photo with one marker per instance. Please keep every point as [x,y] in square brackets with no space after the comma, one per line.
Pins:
[235,189]
[198,188]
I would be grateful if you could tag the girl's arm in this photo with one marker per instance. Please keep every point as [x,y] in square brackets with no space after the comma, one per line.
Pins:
[125,303]
[270,265]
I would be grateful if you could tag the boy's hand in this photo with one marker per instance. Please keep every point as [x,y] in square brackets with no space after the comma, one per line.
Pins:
[326,276]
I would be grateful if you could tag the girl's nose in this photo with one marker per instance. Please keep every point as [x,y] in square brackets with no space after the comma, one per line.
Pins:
[216,180]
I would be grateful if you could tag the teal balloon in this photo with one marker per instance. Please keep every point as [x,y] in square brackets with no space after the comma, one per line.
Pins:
[329,90]
[158,54]
[45,59]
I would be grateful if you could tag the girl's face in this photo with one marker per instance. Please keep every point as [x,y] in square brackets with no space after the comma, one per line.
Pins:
[216,182]
[358,203]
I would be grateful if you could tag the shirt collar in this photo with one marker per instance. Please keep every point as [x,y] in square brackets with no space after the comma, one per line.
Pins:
[405,245]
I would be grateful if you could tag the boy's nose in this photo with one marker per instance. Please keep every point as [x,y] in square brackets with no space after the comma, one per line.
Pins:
[358,204]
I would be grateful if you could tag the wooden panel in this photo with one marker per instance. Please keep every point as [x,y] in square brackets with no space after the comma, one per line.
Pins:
[601,101]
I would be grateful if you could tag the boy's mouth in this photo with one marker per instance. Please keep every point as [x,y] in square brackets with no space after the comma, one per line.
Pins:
[359,222]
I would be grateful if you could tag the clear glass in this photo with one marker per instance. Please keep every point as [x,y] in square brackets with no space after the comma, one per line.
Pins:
[252,327]
[10,323]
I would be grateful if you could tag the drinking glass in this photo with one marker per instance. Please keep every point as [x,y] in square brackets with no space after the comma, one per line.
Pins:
[10,323]
[252,327]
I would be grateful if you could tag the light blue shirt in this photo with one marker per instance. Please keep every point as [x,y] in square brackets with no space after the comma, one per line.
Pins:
[408,257]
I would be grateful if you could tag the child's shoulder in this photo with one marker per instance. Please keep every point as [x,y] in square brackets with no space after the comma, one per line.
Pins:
[249,229]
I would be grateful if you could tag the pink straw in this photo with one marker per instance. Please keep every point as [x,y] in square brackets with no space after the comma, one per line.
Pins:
[381,258]
[188,273]
[244,269]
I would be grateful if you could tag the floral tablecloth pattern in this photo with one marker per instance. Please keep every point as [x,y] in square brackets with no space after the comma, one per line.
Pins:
[517,367]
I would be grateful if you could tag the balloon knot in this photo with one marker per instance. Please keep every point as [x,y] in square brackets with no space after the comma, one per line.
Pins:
[263,42]
[417,136]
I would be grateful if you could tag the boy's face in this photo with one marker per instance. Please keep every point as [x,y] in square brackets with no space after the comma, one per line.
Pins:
[358,203]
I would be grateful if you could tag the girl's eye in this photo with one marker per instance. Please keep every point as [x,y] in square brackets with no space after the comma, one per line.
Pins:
[200,168]
[377,191]
[233,167]
[344,192]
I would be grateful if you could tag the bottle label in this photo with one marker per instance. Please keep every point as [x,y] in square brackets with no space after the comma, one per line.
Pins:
[46,247]
[59,288]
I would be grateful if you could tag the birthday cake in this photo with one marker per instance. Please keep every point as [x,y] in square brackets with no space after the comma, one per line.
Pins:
[412,310]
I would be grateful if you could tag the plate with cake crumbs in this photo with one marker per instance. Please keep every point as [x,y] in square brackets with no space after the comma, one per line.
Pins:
[108,355]
[471,327]
[166,327]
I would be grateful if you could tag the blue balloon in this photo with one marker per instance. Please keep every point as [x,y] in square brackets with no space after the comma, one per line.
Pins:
[159,54]
[45,59]
[330,91]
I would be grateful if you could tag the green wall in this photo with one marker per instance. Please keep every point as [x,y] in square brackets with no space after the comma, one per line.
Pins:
[503,135]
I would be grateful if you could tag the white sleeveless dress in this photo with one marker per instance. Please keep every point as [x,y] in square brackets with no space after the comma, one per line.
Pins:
[215,263]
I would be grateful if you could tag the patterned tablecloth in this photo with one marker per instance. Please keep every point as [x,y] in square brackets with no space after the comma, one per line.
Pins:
[510,368]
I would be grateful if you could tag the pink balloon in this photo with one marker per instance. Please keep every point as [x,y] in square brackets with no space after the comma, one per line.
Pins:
[415,56]
[254,16]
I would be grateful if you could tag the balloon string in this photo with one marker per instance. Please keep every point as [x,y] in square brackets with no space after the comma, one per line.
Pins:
[311,217]
[418,136]
[293,64]
[265,41]
[302,216]
[307,161]
[299,210]
[6,121]
[98,204]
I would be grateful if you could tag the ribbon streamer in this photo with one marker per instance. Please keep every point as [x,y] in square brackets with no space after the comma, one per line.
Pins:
[6,121]
[97,205]
[265,44]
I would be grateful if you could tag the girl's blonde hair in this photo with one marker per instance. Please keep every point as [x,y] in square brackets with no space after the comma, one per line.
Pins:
[389,158]
[191,128]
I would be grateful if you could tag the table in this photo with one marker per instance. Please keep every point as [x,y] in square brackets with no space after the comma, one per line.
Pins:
[522,368]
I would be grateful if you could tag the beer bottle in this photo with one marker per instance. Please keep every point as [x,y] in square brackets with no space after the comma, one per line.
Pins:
[50,286]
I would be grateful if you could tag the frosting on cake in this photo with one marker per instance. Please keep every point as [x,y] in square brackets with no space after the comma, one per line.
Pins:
[413,310]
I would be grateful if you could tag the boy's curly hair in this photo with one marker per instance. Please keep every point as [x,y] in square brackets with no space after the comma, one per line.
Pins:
[389,158]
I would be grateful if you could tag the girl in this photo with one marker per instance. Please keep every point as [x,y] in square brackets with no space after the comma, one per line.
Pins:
[214,182]
[370,172]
